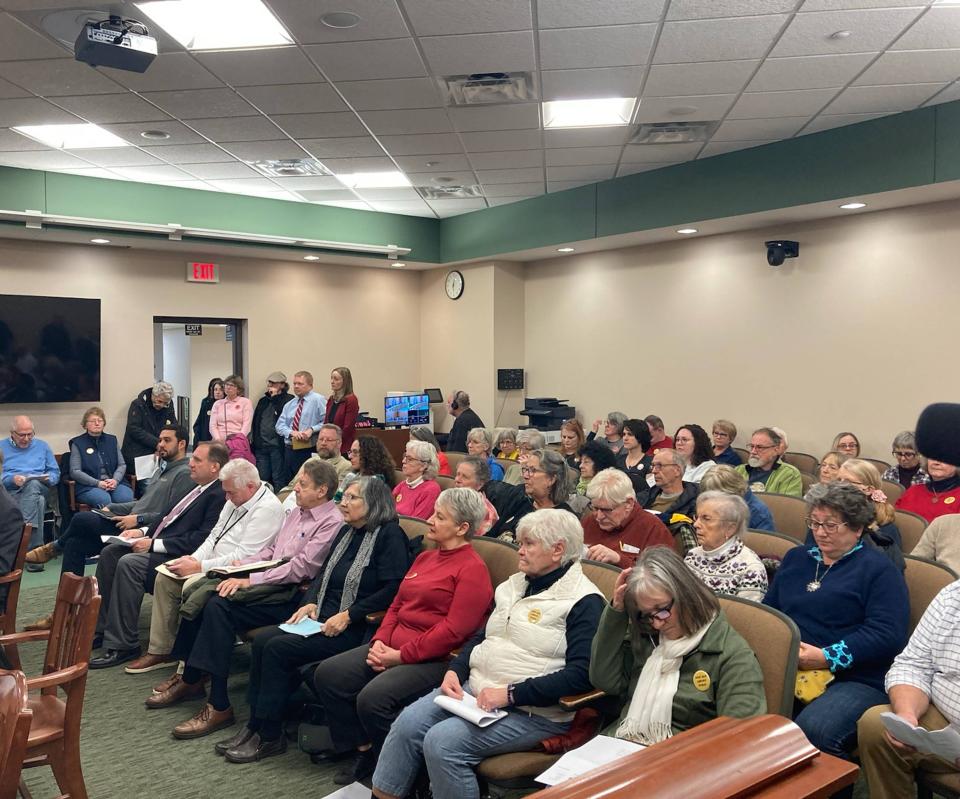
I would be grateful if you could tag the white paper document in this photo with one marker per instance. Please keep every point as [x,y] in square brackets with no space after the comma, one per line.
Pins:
[145,466]
[115,539]
[356,790]
[246,568]
[943,743]
[162,569]
[305,627]
[596,752]
[467,708]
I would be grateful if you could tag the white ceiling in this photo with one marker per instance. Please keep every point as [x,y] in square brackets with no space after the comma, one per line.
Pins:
[366,98]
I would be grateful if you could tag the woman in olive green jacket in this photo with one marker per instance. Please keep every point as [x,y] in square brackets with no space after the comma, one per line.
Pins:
[664,645]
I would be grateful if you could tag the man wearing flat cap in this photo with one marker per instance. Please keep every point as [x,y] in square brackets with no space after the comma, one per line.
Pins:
[266,443]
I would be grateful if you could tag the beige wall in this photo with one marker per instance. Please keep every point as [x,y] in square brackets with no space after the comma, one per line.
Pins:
[857,334]
[309,316]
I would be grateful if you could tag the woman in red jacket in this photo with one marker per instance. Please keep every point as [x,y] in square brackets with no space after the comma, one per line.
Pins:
[938,497]
[342,406]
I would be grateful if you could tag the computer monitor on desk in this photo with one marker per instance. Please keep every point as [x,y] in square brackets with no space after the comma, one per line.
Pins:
[406,410]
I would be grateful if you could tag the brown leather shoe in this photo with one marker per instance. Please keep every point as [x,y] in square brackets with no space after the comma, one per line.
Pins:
[168,683]
[42,554]
[178,692]
[148,662]
[206,721]
[40,624]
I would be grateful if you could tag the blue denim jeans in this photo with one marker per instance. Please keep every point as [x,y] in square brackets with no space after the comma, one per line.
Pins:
[31,498]
[97,497]
[451,747]
[830,720]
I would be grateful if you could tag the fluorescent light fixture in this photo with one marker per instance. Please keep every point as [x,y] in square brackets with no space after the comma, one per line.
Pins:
[373,180]
[398,266]
[72,137]
[588,113]
[99,241]
[687,231]
[311,257]
[853,206]
[565,249]
[218,24]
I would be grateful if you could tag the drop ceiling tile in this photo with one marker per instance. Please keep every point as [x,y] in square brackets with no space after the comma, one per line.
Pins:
[265,150]
[57,77]
[294,98]
[577,14]
[481,52]
[446,208]
[150,174]
[380,195]
[674,109]
[369,95]
[396,58]
[224,171]
[527,175]
[808,72]
[202,103]
[938,28]
[717,39]
[101,108]
[11,141]
[190,153]
[492,140]
[91,172]
[912,66]
[612,46]
[368,164]
[8,90]
[636,169]
[833,5]
[697,9]
[328,195]
[595,172]
[587,137]
[259,67]
[764,105]
[465,177]
[424,144]
[872,30]
[572,84]
[405,207]
[427,120]
[130,131]
[256,128]
[448,162]
[721,147]
[577,156]
[500,117]
[509,159]
[947,95]
[513,189]
[379,19]
[343,147]
[710,77]
[660,153]
[42,159]
[878,99]
[829,121]
[439,17]
[316,183]
[494,201]
[563,185]
[245,184]
[33,111]
[18,41]
[172,71]
[320,126]
[759,129]
[358,205]
[117,156]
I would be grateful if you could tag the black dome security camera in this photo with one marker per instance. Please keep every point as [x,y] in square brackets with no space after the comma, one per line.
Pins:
[779,251]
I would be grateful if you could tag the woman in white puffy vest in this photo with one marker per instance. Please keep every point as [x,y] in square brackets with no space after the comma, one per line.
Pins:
[534,649]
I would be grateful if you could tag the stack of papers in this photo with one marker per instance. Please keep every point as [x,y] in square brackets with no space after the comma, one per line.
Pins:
[305,627]
[468,709]
[943,743]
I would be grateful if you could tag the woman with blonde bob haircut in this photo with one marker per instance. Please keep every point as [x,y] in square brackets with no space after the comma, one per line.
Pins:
[416,494]
[883,533]
[723,435]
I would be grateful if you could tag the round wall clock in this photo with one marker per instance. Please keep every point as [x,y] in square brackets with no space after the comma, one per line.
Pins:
[454,284]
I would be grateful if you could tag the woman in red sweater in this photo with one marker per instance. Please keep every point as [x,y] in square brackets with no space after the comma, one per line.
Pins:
[342,406]
[418,491]
[938,497]
[443,599]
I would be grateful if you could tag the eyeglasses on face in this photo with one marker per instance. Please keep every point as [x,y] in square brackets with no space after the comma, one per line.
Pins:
[350,498]
[850,445]
[761,447]
[904,453]
[411,459]
[527,471]
[660,614]
[656,467]
[829,527]
[605,511]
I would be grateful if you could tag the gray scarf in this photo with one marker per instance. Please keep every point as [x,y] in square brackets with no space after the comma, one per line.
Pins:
[351,583]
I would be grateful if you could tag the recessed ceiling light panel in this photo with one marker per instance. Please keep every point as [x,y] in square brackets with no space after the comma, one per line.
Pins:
[340,20]
[565,249]
[218,24]
[72,137]
[99,241]
[154,135]
[373,180]
[853,206]
[687,231]
[290,168]
[486,88]
[674,132]
[311,257]
[602,112]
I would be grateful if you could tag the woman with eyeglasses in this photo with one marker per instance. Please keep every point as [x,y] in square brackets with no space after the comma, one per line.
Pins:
[666,649]
[369,458]
[692,442]
[846,444]
[546,484]
[424,433]
[594,458]
[417,493]
[612,431]
[724,434]
[232,414]
[505,444]
[939,497]
[908,471]
[851,606]
[829,466]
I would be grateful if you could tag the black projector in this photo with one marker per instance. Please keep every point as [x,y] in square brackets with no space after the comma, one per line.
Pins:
[112,43]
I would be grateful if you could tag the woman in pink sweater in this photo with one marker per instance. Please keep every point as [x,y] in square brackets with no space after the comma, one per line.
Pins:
[233,413]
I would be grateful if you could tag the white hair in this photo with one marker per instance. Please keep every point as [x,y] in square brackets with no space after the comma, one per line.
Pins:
[611,485]
[239,472]
[481,435]
[426,453]
[548,526]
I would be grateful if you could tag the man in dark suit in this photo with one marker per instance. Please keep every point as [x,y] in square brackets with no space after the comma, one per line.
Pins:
[11,533]
[126,572]
[465,420]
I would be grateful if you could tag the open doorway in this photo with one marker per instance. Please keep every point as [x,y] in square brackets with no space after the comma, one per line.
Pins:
[189,352]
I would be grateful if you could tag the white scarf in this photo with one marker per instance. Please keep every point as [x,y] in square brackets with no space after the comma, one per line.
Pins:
[650,716]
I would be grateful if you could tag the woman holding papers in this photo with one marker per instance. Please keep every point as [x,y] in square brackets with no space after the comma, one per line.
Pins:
[534,649]
[666,648]
[442,600]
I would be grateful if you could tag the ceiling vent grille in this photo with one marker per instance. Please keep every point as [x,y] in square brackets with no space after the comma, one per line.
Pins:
[449,192]
[290,168]
[674,132]
[488,88]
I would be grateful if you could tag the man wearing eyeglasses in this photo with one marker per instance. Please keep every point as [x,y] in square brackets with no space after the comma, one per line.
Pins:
[764,471]
[29,470]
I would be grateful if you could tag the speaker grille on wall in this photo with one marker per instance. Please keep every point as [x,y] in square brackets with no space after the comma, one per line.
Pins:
[509,379]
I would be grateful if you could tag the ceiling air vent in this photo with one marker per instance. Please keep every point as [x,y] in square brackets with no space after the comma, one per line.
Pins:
[674,132]
[290,168]
[449,192]
[488,88]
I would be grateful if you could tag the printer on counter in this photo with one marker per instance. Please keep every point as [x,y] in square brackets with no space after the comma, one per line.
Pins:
[547,413]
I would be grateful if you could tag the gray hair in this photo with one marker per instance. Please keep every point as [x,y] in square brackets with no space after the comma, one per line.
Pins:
[423,433]
[321,473]
[427,455]
[532,438]
[481,435]
[334,427]
[506,432]
[772,433]
[554,465]
[481,469]
[724,477]
[853,506]
[465,505]
[733,509]
[905,440]
[679,459]
[377,499]
[162,389]
[549,526]
[239,472]
[660,569]
[783,436]
[611,485]
[616,418]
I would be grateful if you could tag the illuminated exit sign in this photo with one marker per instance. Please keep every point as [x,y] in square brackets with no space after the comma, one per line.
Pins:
[199,272]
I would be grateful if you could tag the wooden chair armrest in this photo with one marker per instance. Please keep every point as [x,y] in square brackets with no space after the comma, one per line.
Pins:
[581,700]
[12,577]
[376,618]
[58,677]
[72,494]
[24,637]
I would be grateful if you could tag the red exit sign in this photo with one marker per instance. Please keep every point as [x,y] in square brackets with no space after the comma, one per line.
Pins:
[199,272]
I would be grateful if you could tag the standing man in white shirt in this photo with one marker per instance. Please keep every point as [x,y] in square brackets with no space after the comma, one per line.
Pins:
[298,424]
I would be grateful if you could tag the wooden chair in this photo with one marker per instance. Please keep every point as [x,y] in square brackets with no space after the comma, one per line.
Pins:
[55,731]
[454,459]
[925,579]
[501,558]
[63,461]
[445,482]
[893,490]
[775,640]
[789,514]
[882,466]
[8,619]
[803,461]
[15,718]
[911,526]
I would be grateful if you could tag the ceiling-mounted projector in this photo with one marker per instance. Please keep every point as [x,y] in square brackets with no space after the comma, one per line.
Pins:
[116,42]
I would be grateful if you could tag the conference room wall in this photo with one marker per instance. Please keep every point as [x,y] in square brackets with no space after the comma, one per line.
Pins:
[300,316]
[859,333]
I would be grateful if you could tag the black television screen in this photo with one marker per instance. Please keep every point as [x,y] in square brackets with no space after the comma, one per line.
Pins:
[49,349]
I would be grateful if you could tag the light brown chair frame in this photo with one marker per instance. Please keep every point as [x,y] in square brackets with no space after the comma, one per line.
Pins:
[911,526]
[925,579]
[14,579]
[15,718]
[802,460]
[789,514]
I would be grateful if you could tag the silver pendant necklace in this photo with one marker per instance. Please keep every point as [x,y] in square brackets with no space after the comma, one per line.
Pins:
[814,584]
